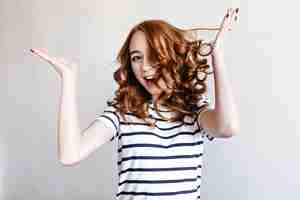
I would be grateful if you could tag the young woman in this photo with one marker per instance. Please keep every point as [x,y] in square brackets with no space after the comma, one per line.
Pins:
[159,115]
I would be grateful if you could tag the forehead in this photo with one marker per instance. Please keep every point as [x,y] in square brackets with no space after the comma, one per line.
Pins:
[138,41]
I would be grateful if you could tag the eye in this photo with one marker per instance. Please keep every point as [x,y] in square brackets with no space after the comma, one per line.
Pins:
[135,58]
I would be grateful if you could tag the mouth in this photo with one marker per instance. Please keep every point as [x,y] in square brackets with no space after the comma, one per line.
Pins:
[148,82]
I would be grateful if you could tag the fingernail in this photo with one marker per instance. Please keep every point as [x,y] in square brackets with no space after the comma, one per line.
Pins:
[32,50]
[227,15]
[237,10]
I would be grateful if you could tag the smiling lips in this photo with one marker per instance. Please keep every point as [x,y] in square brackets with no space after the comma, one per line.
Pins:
[148,82]
[149,77]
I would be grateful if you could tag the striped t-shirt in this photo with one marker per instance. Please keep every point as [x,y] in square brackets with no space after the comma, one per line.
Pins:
[160,163]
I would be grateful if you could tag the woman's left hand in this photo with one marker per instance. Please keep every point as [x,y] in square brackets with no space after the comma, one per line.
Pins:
[230,17]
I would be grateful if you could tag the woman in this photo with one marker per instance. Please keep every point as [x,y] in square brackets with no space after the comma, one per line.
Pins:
[158,114]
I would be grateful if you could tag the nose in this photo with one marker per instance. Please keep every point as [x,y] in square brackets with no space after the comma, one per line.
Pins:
[147,67]
[149,70]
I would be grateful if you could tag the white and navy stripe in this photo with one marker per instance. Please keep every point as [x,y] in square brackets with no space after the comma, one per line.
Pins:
[158,163]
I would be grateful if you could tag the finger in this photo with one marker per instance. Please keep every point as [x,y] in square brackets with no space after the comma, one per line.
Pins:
[236,14]
[221,29]
[225,19]
[232,18]
[231,14]
[44,50]
[43,55]
[227,12]
[236,17]
[223,26]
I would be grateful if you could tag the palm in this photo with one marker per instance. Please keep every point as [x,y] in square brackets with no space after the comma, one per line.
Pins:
[61,66]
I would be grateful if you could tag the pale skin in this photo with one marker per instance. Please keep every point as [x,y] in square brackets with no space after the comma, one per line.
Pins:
[74,144]
[223,120]
[138,50]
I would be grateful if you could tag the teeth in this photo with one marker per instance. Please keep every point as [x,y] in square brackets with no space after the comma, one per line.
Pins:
[149,77]
[149,74]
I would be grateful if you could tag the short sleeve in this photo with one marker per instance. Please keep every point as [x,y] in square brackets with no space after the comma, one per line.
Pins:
[205,134]
[208,135]
[111,118]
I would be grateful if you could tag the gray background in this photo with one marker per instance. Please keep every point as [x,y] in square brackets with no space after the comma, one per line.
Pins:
[261,55]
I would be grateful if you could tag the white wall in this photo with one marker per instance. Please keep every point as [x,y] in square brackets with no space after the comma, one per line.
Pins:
[261,162]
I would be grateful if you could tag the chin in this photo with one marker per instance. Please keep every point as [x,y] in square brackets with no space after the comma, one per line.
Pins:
[151,87]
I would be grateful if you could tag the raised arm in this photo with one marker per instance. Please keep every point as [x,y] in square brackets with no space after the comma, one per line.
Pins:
[223,121]
[73,144]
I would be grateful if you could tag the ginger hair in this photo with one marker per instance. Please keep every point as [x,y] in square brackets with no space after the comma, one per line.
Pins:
[179,66]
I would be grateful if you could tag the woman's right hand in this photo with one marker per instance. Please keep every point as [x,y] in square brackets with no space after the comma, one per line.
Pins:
[64,68]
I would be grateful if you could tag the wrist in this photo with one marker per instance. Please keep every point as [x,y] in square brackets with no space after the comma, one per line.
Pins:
[217,51]
[69,82]
[69,78]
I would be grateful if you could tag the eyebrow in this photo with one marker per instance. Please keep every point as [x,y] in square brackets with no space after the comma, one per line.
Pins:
[134,51]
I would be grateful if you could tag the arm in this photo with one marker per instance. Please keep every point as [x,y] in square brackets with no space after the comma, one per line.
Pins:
[75,145]
[68,123]
[223,120]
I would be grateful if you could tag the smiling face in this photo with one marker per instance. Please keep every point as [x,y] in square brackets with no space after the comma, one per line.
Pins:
[139,55]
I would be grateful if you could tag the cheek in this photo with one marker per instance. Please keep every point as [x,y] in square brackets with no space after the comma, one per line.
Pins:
[136,71]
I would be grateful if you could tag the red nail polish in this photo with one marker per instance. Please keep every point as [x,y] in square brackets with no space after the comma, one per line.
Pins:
[237,10]
[227,15]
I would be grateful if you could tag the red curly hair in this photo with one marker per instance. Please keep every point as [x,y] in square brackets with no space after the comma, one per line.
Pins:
[179,66]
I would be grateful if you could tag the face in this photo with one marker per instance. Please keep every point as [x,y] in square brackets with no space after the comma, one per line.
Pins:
[138,49]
